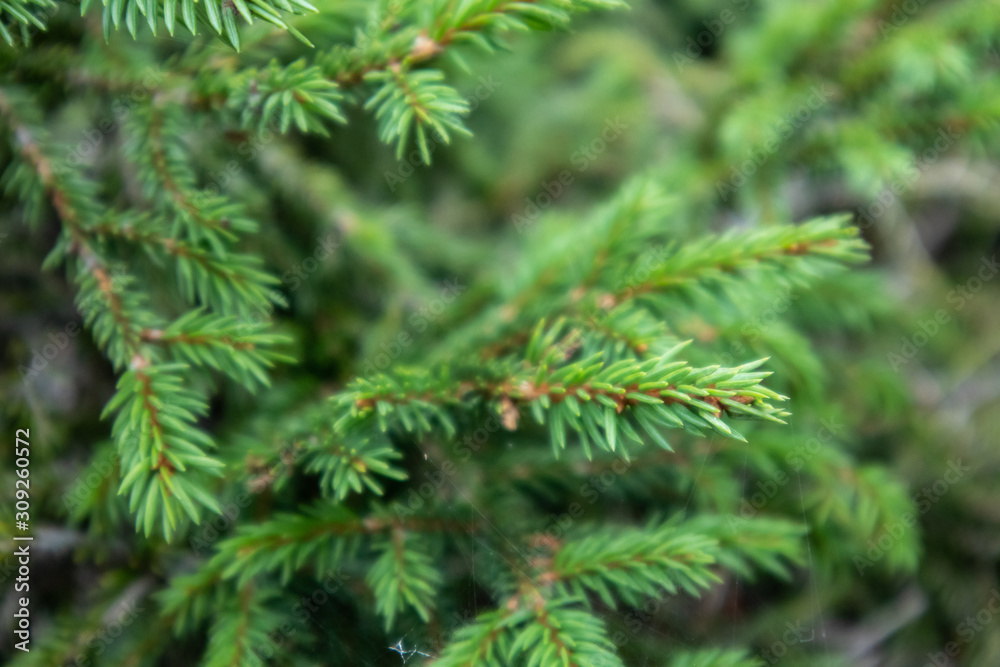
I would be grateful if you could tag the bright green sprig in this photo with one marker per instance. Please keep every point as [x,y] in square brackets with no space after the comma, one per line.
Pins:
[23,17]
[560,634]
[483,22]
[794,250]
[321,537]
[488,641]
[744,546]
[604,404]
[242,628]
[243,351]
[278,96]
[195,231]
[353,464]
[635,563]
[221,16]
[416,102]
[158,441]
[403,576]
[157,144]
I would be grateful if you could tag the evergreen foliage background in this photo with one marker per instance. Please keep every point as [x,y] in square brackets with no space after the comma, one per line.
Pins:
[503,333]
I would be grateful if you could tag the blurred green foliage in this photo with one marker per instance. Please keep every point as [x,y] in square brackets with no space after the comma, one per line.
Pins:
[347,234]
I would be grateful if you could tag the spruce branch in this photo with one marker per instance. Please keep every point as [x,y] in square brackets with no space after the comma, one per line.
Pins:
[744,546]
[155,437]
[351,464]
[277,96]
[242,351]
[321,536]
[420,36]
[160,441]
[156,144]
[218,15]
[197,229]
[163,452]
[23,18]
[403,576]
[535,631]
[115,313]
[788,250]
[191,598]
[597,270]
[544,621]
[602,403]
[635,562]
[561,634]
[241,631]
[224,280]
[487,641]
[414,101]
[483,22]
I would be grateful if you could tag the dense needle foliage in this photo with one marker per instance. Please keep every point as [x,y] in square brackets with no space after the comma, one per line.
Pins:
[476,332]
